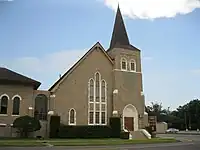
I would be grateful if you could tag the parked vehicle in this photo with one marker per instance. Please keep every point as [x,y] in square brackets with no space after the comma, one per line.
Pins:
[172,130]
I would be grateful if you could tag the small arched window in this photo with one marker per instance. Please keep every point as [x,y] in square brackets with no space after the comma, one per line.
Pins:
[4,104]
[16,105]
[91,90]
[72,117]
[123,64]
[132,65]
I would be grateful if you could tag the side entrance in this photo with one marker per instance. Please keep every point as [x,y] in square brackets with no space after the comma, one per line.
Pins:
[128,123]
[130,118]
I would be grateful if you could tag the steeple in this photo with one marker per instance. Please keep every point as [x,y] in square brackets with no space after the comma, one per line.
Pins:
[119,35]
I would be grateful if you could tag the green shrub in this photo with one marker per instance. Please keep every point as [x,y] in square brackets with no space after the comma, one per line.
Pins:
[124,135]
[84,131]
[54,126]
[115,124]
[26,125]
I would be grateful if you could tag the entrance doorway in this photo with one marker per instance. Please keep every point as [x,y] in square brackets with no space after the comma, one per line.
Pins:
[128,123]
[130,118]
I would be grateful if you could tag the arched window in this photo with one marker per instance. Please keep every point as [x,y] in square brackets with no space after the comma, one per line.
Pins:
[132,65]
[41,105]
[72,116]
[103,102]
[123,64]
[91,90]
[97,86]
[97,109]
[4,104]
[16,105]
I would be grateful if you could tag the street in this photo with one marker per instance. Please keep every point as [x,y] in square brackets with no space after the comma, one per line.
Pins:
[182,137]
[189,142]
[174,146]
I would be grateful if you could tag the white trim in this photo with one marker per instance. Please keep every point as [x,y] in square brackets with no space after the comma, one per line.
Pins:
[17,96]
[123,59]
[135,115]
[125,71]
[95,102]
[15,115]
[3,125]
[3,115]
[69,113]
[4,95]
[7,103]
[132,61]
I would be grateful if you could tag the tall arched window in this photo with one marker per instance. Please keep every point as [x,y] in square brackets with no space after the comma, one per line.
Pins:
[16,105]
[132,65]
[91,90]
[41,105]
[123,64]
[72,116]
[4,104]
[97,86]
[97,109]
[103,101]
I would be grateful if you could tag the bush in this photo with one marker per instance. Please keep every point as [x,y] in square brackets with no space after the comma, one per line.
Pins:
[84,132]
[54,126]
[115,124]
[25,125]
[124,135]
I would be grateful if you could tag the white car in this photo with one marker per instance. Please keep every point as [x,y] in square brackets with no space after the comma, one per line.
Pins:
[172,130]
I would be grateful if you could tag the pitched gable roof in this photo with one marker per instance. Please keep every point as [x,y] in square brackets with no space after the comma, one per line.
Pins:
[10,77]
[52,88]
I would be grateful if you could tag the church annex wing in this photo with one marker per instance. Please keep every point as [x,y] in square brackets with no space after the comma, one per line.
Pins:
[59,81]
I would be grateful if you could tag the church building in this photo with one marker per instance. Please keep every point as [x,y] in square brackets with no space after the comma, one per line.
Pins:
[102,84]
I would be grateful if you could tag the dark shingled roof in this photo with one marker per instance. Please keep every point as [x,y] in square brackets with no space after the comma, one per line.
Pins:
[10,77]
[119,36]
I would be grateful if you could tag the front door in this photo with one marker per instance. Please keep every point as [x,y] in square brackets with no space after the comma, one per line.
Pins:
[128,123]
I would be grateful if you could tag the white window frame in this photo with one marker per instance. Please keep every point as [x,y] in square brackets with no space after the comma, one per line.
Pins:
[20,98]
[69,118]
[7,104]
[123,59]
[130,62]
[94,102]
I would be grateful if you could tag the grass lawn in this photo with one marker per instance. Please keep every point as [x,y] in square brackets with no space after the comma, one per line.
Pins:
[77,142]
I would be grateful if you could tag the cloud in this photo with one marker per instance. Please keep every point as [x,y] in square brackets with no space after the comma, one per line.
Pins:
[152,9]
[195,71]
[57,62]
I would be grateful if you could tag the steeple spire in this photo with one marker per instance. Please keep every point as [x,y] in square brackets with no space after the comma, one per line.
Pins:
[119,35]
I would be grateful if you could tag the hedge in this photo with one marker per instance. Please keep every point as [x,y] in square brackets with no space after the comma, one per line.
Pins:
[115,124]
[112,130]
[54,126]
[85,132]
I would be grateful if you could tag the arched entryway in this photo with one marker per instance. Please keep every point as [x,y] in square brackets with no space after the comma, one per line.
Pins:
[130,118]
[41,107]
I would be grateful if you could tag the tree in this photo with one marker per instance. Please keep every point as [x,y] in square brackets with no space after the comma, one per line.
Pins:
[26,125]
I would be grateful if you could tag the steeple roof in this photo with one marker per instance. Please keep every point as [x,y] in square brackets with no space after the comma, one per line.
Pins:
[119,36]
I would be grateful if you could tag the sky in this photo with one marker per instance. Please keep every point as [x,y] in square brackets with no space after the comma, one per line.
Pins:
[44,38]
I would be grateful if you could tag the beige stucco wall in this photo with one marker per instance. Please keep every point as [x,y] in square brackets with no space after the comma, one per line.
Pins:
[27,95]
[73,90]
[128,84]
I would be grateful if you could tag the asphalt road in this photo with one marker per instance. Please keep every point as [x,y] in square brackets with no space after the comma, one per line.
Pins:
[194,138]
[189,142]
[172,146]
